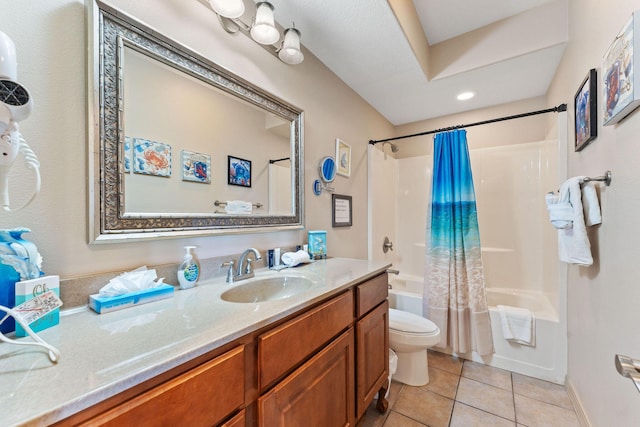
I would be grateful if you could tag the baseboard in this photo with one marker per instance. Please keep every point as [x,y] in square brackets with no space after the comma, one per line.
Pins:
[577,406]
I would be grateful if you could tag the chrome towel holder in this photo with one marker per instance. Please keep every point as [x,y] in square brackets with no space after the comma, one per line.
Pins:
[606,178]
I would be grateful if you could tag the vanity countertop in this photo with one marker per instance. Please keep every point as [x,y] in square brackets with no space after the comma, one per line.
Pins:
[105,354]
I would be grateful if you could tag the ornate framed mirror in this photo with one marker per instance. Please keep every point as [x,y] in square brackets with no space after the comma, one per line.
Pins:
[163,123]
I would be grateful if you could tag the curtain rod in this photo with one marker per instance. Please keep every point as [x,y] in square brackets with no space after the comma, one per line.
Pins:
[559,108]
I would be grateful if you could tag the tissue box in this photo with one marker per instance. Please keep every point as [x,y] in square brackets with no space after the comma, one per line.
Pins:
[107,304]
[317,241]
[29,289]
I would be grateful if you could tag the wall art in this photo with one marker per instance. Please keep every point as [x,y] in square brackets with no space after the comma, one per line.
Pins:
[151,157]
[196,167]
[586,111]
[239,171]
[343,158]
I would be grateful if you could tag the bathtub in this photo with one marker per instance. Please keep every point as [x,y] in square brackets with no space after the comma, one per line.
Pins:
[547,360]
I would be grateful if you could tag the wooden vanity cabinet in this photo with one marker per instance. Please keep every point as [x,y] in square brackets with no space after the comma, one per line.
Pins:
[319,367]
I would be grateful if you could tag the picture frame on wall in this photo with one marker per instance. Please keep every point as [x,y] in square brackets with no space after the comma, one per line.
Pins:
[239,171]
[343,158]
[341,211]
[621,91]
[586,111]
[196,167]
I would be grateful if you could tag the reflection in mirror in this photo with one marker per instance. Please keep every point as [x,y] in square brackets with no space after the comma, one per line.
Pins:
[165,123]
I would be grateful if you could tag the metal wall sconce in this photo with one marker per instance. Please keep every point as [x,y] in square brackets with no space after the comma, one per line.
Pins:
[262,29]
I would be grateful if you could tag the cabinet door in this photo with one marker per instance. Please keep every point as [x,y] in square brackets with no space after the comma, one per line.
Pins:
[372,342]
[318,394]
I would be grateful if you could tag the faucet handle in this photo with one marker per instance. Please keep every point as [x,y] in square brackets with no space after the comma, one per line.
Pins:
[248,269]
[230,276]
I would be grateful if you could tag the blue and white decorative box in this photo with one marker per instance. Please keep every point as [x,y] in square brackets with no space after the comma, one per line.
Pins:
[29,289]
[317,241]
[106,304]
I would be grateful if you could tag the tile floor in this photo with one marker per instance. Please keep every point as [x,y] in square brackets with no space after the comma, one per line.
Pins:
[462,393]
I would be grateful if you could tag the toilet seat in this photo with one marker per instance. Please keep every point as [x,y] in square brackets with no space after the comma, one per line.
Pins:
[411,324]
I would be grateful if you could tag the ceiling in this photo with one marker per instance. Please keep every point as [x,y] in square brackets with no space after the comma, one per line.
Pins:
[410,59]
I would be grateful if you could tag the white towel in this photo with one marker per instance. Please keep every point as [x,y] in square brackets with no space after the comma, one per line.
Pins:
[573,243]
[291,259]
[518,325]
[560,212]
[238,207]
[590,205]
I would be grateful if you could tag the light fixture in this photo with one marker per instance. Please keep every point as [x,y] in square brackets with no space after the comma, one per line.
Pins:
[464,96]
[290,52]
[262,29]
[228,8]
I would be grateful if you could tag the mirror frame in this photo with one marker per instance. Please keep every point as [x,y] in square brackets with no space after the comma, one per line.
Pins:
[109,31]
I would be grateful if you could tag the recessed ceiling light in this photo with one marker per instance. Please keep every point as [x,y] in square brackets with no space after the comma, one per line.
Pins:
[466,95]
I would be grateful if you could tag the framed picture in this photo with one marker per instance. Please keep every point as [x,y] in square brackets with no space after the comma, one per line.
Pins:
[342,210]
[239,171]
[196,167]
[621,92]
[343,158]
[586,111]
[151,158]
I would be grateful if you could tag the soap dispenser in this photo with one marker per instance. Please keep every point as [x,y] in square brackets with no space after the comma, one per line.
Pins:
[188,271]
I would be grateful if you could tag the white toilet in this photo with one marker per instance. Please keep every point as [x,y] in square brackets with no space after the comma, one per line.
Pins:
[410,336]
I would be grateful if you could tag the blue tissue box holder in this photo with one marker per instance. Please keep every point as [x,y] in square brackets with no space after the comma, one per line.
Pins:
[107,304]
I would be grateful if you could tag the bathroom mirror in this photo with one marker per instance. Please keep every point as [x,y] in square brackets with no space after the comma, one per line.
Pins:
[159,158]
[327,169]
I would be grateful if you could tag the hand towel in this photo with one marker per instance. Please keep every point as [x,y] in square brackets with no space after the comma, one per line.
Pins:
[291,259]
[518,325]
[560,214]
[590,205]
[238,207]
[573,243]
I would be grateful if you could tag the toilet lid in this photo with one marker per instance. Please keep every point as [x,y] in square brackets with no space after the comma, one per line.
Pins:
[409,322]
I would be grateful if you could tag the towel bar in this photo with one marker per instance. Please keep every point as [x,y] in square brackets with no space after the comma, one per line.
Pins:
[606,178]
[219,203]
[628,368]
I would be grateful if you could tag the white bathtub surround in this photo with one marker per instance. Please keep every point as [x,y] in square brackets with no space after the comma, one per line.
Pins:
[518,325]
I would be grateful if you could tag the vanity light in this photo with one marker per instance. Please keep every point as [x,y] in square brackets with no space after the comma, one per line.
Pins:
[263,29]
[464,96]
[290,52]
[228,8]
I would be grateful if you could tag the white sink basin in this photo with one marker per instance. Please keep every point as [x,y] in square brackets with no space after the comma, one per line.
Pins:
[267,289]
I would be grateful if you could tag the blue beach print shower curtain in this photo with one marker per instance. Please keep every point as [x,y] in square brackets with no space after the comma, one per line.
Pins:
[454,279]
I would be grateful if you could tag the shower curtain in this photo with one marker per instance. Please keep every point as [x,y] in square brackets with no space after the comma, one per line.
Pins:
[454,280]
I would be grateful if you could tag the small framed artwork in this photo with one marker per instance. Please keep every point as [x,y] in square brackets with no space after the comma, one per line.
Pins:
[196,167]
[621,91]
[239,171]
[343,158]
[586,111]
[151,157]
[342,211]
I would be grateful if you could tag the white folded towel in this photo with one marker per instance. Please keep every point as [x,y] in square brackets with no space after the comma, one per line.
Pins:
[518,325]
[560,212]
[291,259]
[590,205]
[238,207]
[573,243]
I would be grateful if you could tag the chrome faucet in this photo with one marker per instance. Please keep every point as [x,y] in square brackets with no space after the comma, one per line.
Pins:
[243,272]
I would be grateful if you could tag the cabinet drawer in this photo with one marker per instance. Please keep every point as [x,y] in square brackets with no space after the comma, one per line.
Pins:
[285,347]
[371,293]
[202,396]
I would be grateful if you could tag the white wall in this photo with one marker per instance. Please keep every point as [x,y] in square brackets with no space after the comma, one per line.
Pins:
[603,315]
[51,46]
